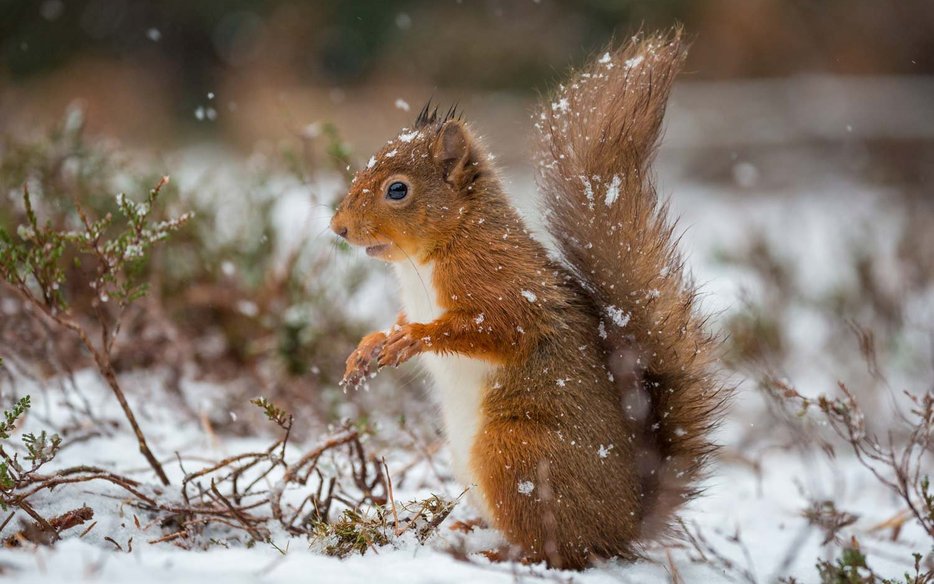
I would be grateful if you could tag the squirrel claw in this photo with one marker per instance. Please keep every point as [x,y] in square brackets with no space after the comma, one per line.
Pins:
[358,364]
[353,380]
[468,525]
[401,345]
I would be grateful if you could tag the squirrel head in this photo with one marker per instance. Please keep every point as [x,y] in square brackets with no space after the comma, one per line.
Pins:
[411,196]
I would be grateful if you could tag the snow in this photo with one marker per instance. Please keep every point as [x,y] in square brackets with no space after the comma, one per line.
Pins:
[633,62]
[618,316]
[612,190]
[760,502]
[205,113]
[403,21]
[588,191]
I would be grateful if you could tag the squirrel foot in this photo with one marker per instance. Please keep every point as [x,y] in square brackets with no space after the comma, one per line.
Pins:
[358,364]
[506,554]
[402,344]
[468,525]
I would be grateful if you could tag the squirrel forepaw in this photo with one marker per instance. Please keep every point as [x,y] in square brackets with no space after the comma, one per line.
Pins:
[358,364]
[402,344]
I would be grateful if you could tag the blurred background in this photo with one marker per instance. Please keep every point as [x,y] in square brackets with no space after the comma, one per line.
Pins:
[799,127]
[762,74]
[799,150]
[798,154]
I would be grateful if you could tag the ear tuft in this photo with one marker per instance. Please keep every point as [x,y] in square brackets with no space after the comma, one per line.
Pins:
[454,151]
[452,142]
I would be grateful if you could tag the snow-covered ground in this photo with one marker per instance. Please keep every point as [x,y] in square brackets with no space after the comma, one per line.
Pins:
[763,508]
[751,513]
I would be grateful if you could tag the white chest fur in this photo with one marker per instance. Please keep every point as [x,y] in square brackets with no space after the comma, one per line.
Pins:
[459,381]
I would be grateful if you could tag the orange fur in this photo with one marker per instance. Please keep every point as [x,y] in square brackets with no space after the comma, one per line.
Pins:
[595,415]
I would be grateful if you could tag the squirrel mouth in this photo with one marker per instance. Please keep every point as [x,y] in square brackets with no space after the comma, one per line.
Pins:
[375,250]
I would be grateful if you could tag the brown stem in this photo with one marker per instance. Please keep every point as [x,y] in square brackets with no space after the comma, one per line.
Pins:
[68,477]
[255,456]
[102,360]
[170,537]
[311,456]
[110,375]
[392,500]
[238,514]
[43,523]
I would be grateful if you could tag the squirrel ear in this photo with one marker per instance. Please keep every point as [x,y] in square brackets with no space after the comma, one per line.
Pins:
[454,152]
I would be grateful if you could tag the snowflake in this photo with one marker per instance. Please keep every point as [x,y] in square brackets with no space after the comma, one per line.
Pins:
[618,317]
[612,191]
[588,191]
[634,61]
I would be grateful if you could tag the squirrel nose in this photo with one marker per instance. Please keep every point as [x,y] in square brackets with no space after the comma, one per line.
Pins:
[339,229]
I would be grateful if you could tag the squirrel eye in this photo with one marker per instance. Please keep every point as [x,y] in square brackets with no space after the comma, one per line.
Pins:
[397,191]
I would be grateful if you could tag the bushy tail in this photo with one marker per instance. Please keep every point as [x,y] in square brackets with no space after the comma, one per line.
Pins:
[598,140]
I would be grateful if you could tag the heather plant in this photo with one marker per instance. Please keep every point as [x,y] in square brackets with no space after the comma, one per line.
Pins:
[117,283]
[34,264]
[16,472]
[878,414]
[230,297]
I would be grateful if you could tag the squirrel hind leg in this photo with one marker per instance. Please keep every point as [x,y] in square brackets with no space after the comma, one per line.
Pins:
[523,473]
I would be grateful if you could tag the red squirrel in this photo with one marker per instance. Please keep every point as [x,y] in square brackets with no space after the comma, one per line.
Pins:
[577,388]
